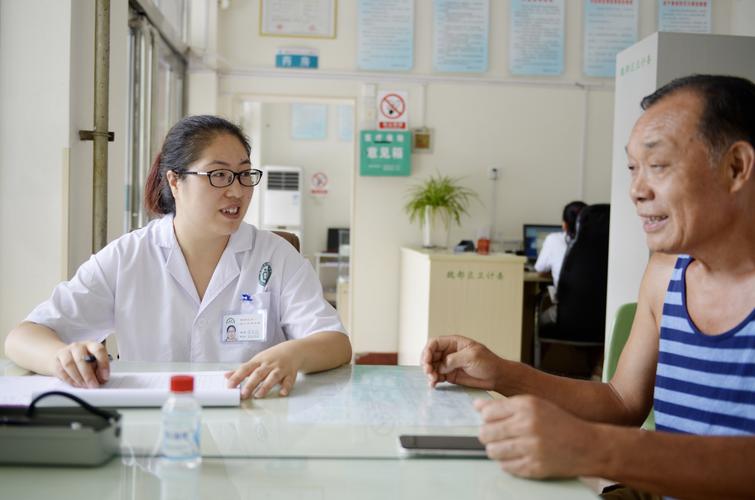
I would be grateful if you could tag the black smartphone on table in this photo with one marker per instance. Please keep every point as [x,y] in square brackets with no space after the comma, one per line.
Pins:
[441,446]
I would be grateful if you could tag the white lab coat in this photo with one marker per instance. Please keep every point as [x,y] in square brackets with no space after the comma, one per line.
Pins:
[139,286]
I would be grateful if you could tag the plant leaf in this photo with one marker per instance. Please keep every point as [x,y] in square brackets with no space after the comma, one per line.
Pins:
[444,195]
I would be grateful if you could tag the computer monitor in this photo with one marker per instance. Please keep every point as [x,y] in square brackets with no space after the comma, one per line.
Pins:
[534,235]
[337,236]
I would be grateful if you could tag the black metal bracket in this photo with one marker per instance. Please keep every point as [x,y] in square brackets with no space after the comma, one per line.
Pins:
[88,135]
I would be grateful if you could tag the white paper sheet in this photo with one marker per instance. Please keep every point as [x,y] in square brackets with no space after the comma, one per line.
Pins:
[122,390]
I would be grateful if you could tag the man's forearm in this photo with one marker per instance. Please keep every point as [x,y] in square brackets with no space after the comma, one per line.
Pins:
[673,464]
[594,401]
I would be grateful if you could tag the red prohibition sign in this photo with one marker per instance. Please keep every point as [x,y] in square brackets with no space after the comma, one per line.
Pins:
[319,180]
[392,106]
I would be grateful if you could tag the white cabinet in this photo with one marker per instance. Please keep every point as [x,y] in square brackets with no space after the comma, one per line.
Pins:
[478,296]
[331,268]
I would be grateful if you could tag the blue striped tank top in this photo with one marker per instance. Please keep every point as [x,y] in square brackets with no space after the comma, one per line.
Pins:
[704,384]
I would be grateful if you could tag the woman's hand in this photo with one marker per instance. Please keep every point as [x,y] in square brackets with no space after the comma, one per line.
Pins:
[70,365]
[276,365]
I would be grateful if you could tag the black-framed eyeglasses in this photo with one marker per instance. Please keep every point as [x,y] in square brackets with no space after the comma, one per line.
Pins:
[223,177]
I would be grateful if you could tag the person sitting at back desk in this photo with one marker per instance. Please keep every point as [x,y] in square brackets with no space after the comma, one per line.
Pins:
[691,351]
[551,255]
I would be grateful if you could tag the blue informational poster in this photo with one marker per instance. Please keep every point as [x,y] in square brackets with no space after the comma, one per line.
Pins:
[610,26]
[684,16]
[345,122]
[309,121]
[536,37]
[460,35]
[385,35]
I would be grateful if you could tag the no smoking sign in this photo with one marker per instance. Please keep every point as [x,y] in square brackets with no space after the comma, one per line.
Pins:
[392,110]
[319,184]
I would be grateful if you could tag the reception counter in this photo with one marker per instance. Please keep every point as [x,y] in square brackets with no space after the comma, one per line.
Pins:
[478,296]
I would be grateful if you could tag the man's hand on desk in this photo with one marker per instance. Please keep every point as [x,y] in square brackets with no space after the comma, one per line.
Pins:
[276,365]
[529,436]
[534,438]
[460,360]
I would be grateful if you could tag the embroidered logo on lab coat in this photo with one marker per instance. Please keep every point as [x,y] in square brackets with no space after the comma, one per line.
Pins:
[265,271]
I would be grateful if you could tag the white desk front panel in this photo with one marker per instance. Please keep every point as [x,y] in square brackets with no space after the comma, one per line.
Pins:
[411,479]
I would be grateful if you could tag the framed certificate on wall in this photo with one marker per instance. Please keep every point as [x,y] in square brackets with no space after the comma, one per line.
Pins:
[298,18]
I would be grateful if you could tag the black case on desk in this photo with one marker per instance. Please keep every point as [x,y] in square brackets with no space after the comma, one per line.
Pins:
[58,436]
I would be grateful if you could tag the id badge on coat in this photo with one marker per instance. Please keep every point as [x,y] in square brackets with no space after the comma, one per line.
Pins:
[249,324]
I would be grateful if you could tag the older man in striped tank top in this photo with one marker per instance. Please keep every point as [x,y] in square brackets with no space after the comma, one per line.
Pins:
[691,352]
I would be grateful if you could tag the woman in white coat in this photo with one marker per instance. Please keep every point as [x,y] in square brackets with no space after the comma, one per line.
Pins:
[171,290]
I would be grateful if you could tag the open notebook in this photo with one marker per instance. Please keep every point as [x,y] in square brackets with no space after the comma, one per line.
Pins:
[122,390]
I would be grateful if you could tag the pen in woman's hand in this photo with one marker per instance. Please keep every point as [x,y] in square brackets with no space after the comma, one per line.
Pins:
[91,358]
[102,374]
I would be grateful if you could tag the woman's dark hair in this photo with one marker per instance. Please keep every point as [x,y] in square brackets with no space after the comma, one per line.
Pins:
[728,113]
[183,146]
[571,211]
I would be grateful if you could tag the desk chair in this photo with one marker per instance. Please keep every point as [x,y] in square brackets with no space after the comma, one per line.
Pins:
[622,326]
[290,237]
[581,293]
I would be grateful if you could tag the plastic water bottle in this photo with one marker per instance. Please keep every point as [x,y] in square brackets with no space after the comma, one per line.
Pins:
[182,423]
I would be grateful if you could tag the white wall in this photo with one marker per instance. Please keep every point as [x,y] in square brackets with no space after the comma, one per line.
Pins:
[550,136]
[202,90]
[202,76]
[331,156]
[742,16]
[46,79]
[32,174]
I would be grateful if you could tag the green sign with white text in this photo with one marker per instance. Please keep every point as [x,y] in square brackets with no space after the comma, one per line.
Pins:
[385,153]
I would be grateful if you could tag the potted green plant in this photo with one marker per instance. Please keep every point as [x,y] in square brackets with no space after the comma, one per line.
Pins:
[439,198]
